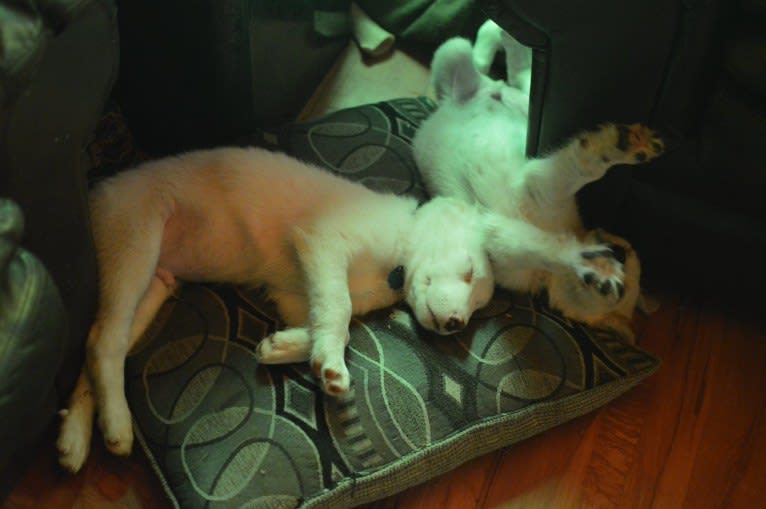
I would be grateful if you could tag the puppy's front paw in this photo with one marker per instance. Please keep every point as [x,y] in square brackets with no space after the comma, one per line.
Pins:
[621,144]
[335,379]
[285,346]
[600,267]
[330,368]
[116,426]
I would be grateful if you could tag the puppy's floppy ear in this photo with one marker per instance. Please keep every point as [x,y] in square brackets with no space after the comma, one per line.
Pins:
[453,72]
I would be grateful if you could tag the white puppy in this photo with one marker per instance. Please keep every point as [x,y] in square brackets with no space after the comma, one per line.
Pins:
[473,148]
[326,249]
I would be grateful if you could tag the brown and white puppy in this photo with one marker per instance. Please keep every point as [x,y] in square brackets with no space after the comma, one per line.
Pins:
[323,246]
[473,148]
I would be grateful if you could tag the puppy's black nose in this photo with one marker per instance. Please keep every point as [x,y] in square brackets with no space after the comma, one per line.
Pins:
[454,325]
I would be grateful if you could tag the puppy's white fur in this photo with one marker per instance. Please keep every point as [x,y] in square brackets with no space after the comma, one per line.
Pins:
[473,148]
[323,246]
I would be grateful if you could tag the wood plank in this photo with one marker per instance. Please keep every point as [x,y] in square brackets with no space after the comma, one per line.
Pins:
[535,471]
[733,410]
[104,482]
[464,487]
[674,424]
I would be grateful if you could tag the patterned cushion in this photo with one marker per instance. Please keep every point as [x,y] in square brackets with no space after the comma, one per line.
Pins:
[222,431]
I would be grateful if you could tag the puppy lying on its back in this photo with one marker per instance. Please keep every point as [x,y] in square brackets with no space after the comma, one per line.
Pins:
[473,148]
[323,246]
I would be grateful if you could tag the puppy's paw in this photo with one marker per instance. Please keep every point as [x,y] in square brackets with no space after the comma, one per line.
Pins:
[621,144]
[335,380]
[332,373]
[285,346]
[73,443]
[600,267]
[268,351]
[116,426]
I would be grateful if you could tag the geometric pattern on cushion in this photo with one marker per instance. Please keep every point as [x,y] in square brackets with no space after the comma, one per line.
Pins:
[370,144]
[222,431]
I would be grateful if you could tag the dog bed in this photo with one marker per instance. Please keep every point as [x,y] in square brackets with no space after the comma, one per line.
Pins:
[222,431]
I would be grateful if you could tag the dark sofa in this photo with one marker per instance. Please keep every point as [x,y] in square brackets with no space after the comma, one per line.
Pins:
[58,62]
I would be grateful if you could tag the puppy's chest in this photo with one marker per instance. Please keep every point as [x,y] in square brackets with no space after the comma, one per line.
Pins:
[373,283]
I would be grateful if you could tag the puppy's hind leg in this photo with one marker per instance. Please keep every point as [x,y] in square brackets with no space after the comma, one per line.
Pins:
[74,438]
[162,286]
[73,442]
[128,249]
[490,38]
[518,63]
[488,43]
[586,158]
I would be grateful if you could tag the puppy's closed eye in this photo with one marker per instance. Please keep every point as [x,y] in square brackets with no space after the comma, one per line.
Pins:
[468,276]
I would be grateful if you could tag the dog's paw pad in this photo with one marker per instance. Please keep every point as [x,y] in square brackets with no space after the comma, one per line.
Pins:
[119,446]
[601,270]
[621,144]
[337,385]
[620,291]
[335,380]
[639,142]
[328,364]
[605,288]
[619,253]
[331,375]
[116,426]
[335,388]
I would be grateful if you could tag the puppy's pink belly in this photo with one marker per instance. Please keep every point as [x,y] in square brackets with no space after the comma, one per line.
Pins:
[204,265]
[206,253]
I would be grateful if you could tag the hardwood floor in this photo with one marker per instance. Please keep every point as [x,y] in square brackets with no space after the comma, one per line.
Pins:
[691,436]
[105,482]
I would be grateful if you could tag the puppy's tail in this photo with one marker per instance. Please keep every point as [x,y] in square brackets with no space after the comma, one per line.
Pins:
[453,72]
